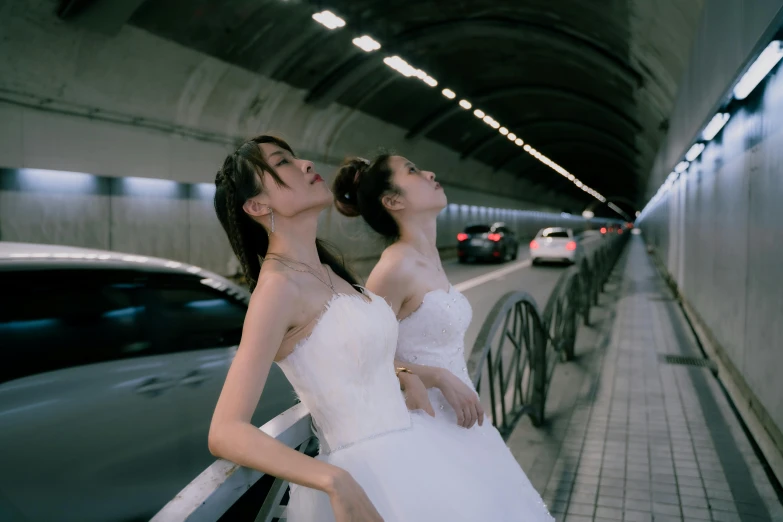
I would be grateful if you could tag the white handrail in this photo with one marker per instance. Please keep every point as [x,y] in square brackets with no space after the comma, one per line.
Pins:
[219,486]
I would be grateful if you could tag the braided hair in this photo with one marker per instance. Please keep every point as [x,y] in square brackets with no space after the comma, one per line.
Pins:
[240,178]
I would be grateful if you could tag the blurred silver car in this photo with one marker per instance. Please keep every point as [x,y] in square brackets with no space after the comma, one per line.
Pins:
[555,244]
[112,366]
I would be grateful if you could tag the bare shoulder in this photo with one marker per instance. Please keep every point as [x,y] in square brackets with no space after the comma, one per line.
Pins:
[393,275]
[275,292]
[394,265]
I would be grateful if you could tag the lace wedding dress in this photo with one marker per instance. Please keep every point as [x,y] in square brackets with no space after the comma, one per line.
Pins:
[414,468]
[434,335]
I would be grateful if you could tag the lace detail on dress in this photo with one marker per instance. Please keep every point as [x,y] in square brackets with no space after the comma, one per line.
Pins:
[434,334]
[344,372]
[413,467]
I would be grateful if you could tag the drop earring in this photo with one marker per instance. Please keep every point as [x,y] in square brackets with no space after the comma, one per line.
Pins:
[272,220]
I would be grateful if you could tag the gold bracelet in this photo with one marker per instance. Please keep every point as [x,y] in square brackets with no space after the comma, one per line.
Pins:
[401,369]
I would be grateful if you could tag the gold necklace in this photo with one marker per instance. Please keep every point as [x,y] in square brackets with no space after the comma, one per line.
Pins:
[282,260]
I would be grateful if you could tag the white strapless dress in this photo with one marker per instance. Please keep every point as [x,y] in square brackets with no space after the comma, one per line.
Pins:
[414,468]
[434,335]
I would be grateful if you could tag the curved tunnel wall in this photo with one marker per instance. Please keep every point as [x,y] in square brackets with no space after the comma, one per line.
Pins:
[730,32]
[173,220]
[135,104]
[718,231]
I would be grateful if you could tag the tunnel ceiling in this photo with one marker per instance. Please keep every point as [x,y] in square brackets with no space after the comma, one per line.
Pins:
[588,84]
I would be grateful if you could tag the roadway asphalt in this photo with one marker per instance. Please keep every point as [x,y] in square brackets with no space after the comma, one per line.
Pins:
[484,283]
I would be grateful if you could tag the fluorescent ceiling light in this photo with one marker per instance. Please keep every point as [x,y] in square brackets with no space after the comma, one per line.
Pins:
[519,142]
[367,44]
[487,119]
[527,147]
[407,70]
[760,68]
[715,125]
[616,208]
[465,104]
[503,131]
[478,113]
[511,136]
[400,65]
[694,151]
[681,166]
[329,20]
[448,93]
[494,124]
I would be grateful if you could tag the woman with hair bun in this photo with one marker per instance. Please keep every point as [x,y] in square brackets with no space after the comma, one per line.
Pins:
[335,342]
[401,203]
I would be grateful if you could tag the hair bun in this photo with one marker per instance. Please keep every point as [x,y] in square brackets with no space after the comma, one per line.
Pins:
[346,185]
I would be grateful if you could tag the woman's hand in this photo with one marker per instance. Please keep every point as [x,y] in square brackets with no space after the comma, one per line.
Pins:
[462,398]
[416,397]
[349,501]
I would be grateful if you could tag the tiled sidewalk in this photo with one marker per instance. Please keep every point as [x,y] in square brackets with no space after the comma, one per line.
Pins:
[633,437]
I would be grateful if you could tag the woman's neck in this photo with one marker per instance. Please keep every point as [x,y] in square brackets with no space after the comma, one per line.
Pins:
[295,241]
[422,235]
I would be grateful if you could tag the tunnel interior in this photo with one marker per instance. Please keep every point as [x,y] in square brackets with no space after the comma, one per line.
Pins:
[589,85]
[639,140]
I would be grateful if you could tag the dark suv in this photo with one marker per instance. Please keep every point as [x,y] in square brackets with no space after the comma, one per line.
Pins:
[487,242]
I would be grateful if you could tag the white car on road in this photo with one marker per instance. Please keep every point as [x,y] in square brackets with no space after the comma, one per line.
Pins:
[554,244]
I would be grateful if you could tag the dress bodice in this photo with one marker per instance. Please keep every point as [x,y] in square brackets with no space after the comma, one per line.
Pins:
[417,468]
[344,372]
[434,334]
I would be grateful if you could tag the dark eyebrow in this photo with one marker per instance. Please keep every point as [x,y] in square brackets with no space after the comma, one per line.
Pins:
[409,164]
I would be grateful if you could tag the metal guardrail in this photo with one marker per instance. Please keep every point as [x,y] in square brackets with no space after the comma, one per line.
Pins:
[519,345]
[225,486]
[513,358]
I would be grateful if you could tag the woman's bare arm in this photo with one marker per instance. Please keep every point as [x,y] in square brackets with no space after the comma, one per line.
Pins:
[271,313]
[394,279]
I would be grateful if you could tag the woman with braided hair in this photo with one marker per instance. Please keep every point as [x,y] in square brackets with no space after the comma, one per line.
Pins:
[335,342]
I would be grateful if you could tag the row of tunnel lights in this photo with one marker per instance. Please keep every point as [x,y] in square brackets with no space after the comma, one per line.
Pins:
[759,70]
[368,44]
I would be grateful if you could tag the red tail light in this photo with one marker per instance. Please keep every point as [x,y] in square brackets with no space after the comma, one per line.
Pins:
[571,245]
[462,236]
[493,237]
[619,230]
[496,254]
[603,230]
[533,245]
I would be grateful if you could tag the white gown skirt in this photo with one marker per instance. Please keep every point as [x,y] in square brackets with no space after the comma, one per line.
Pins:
[435,471]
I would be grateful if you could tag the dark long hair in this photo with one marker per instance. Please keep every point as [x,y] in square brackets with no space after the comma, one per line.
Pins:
[240,178]
[359,188]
